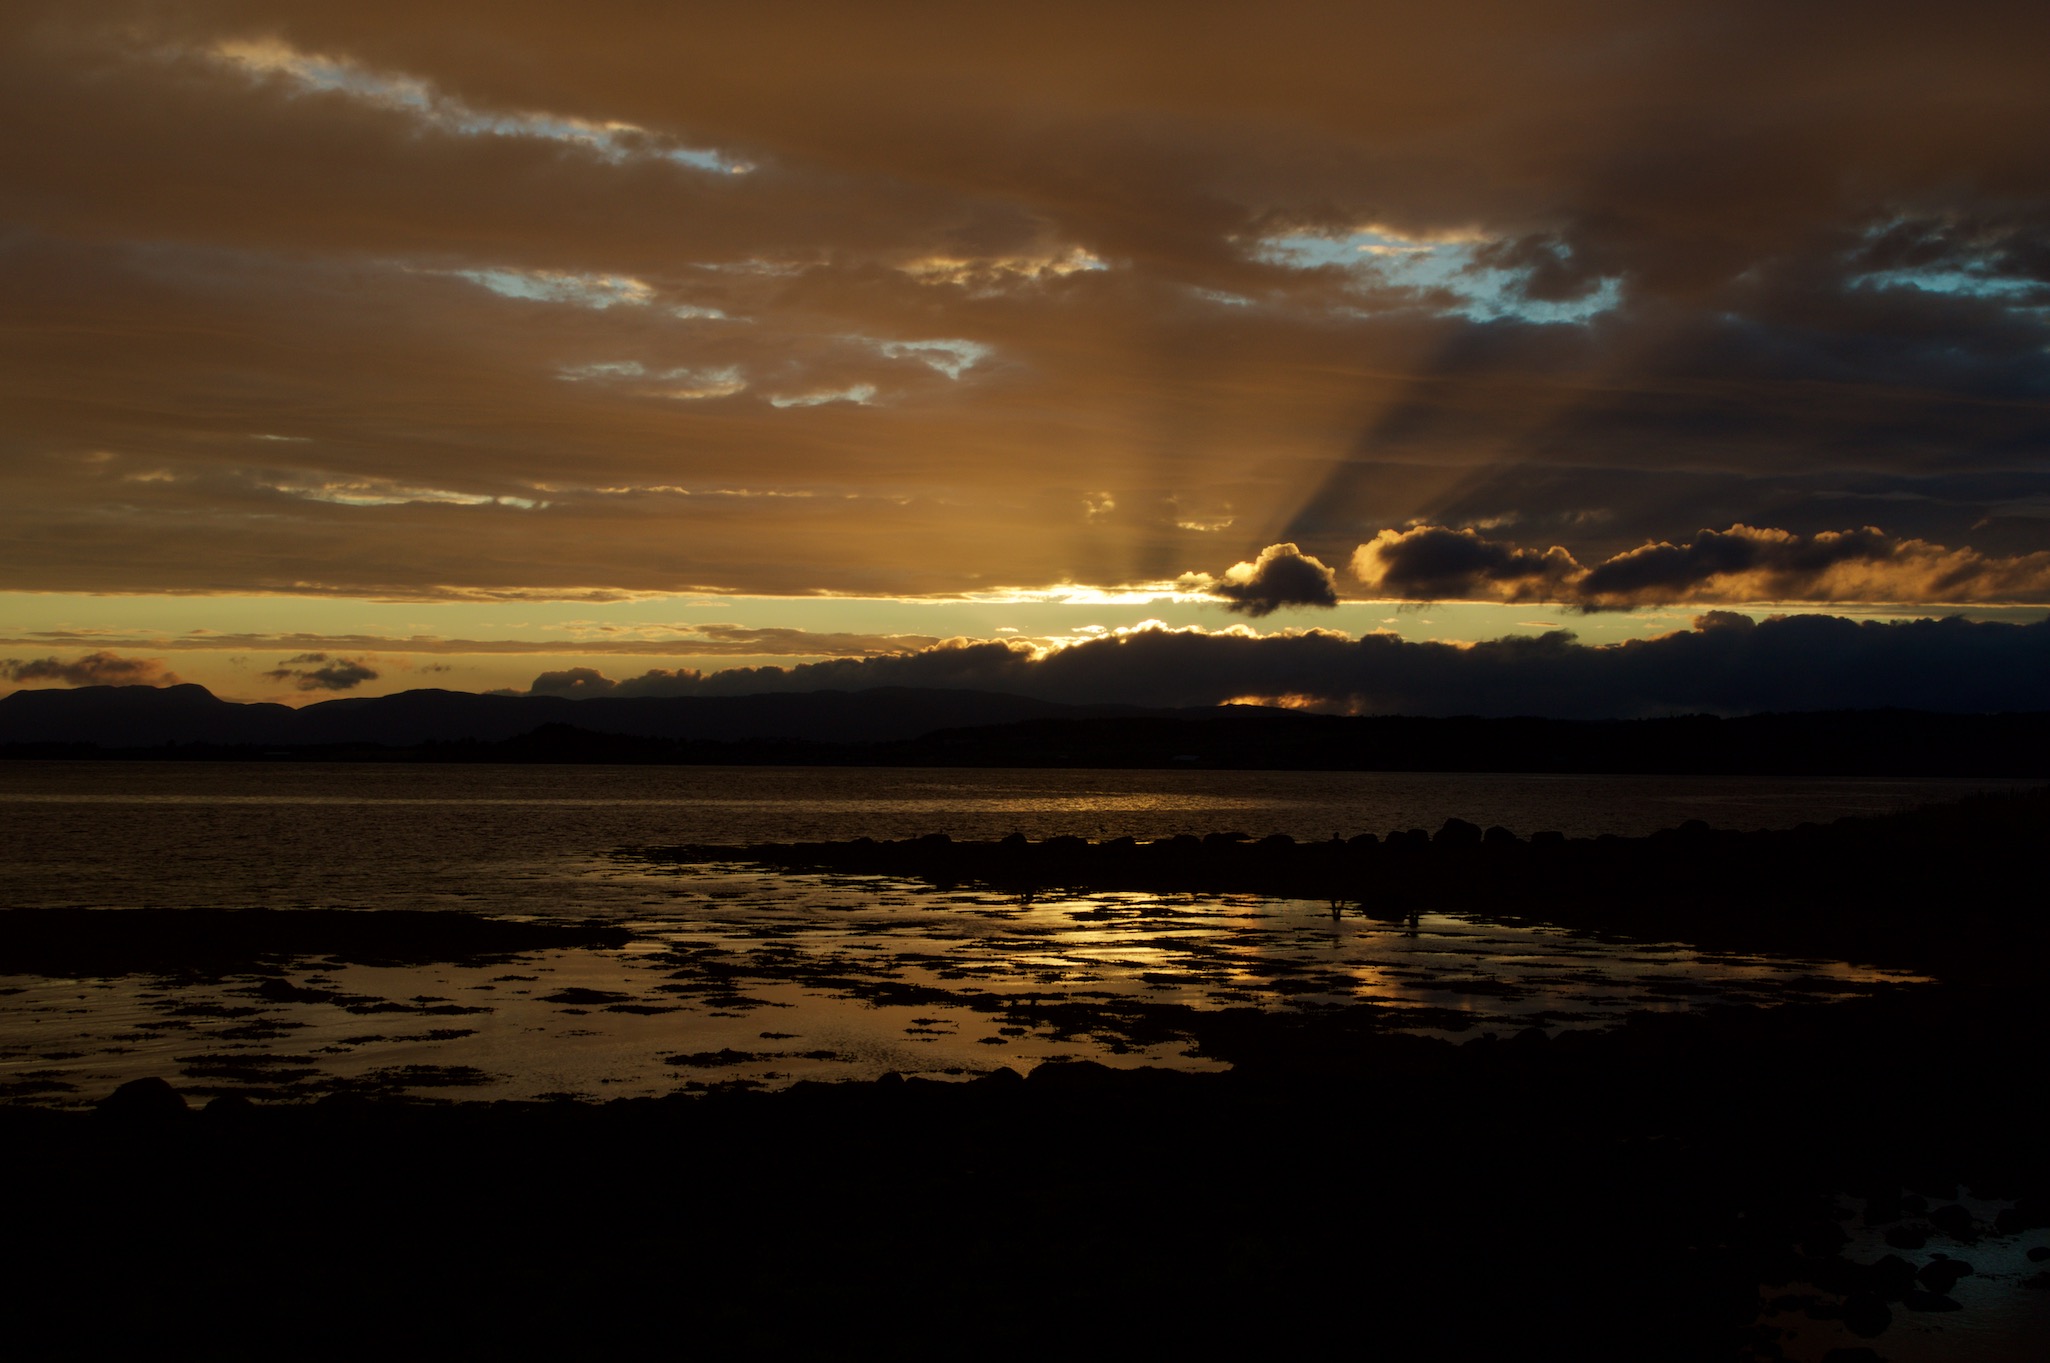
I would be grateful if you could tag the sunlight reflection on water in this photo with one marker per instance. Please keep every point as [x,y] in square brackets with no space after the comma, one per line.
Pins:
[740,974]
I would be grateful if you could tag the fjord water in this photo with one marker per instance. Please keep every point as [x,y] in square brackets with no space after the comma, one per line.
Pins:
[741,974]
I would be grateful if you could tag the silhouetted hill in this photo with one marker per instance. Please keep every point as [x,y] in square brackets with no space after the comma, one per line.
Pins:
[139,716]
[910,727]
[144,716]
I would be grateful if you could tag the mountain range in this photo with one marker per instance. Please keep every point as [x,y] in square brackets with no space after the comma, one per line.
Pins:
[150,716]
[953,728]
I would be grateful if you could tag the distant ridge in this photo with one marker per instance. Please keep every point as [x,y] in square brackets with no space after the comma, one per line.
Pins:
[907,727]
[147,716]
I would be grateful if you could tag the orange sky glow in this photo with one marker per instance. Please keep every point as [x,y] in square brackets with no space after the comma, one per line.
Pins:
[355,348]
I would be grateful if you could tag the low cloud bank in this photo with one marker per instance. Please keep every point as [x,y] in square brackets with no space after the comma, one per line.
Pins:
[319,672]
[93,669]
[1741,564]
[1724,664]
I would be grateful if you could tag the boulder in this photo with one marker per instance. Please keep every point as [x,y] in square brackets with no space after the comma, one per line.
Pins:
[1940,1274]
[1954,1220]
[1892,1276]
[1914,1235]
[1931,1301]
[145,1100]
[228,1107]
[1867,1315]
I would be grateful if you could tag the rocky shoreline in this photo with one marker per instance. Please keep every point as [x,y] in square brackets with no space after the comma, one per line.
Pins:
[1935,889]
[1688,1185]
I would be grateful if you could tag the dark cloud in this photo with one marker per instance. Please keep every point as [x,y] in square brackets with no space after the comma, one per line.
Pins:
[1725,664]
[92,669]
[1430,562]
[1282,575]
[1737,565]
[319,672]
[574,681]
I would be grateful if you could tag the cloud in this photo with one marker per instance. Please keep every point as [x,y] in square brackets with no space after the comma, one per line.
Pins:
[706,640]
[574,681]
[92,669]
[1734,566]
[319,672]
[1430,562]
[1724,663]
[1282,575]
[1748,564]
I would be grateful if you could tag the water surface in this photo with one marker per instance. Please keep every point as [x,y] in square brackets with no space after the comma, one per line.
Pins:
[742,975]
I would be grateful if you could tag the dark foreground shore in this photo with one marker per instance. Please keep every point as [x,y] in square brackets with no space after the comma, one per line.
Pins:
[1679,1188]
[1682,1187]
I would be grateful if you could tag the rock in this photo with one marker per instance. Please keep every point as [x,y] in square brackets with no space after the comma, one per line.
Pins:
[1882,1208]
[1941,1274]
[228,1107]
[1931,1301]
[275,990]
[1892,1276]
[1837,1275]
[1498,836]
[1459,833]
[1867,1315]
[2039,1254]
[1818,1239]
[343,1106]
[146,1100]
[1853,1353]
[1955,1221]
[1070,1074]
[1911,1236]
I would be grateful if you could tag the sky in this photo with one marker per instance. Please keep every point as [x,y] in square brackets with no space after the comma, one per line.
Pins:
[623,347]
